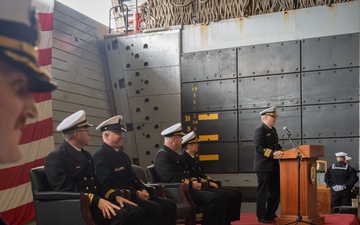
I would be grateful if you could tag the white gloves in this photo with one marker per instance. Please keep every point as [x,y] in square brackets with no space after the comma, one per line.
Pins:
[338,187]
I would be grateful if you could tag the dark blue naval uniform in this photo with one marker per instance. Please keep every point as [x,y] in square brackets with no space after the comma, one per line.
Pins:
[68,169]
[115,171]
[171,168]
[345,176]
[268,172]
[234,197]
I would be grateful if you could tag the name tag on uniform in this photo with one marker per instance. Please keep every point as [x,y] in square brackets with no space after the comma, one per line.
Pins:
[119,169]
[78,167]
[268,134]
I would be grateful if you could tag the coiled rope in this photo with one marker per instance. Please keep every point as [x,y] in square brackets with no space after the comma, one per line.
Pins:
[165,13]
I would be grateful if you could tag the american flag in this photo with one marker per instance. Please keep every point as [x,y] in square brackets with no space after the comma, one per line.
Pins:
[16,202]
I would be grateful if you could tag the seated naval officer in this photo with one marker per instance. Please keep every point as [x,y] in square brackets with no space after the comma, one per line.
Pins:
[171,168]
[70,168]
[190,147]
[341,178]
[113,167]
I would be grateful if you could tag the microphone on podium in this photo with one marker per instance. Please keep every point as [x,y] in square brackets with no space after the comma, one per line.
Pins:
[287,131]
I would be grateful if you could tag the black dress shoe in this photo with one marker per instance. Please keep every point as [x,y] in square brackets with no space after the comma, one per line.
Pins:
[272,219]
[264,220]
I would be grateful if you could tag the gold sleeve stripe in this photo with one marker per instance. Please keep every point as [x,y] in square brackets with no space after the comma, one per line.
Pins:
[109,193]
[91,196]
[186,181]
[267,152]
[212,116]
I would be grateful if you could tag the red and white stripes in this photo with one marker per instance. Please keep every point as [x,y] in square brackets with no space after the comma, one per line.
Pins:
[16,202]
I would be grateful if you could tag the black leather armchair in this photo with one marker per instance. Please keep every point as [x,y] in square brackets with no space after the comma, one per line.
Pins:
[176,192]
[57,208]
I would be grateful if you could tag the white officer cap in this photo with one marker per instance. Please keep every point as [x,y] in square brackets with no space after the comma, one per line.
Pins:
[348,158]
[340,154]
[18,39]
[173,130]
[114,124]
[189,138]
[270,111]
[73,122]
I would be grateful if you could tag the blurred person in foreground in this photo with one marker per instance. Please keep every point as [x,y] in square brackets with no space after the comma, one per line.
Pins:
[20,75]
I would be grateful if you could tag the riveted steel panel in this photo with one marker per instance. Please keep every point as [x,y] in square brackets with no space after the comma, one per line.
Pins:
[155,108]
[208,65]
[289,117]
[153,81]
[209,96]
[330,52]
[279,90]
[246,156]
[333,145]
[148,141]
[330,86]
[213,126]
[228,157]
[149,50]
[333,120]
[265,59]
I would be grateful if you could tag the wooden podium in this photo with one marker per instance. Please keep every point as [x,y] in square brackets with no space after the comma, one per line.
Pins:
[308,186]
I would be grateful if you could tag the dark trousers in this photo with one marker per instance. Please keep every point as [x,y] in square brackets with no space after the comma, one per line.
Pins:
[234,204]
[158,211]
[222,204]
[205,200]
[268,194]
[340,198]
[128,215]
[213,203]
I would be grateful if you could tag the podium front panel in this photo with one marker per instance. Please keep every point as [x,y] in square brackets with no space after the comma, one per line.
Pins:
[289,187]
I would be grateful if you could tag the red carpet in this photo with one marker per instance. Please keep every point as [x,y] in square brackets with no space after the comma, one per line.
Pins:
[330,219]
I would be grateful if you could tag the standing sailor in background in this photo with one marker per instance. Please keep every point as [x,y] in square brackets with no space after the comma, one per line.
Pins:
[341,178]
[70,168]
[354,189]
[20,75]
[113,167]
[266,146]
